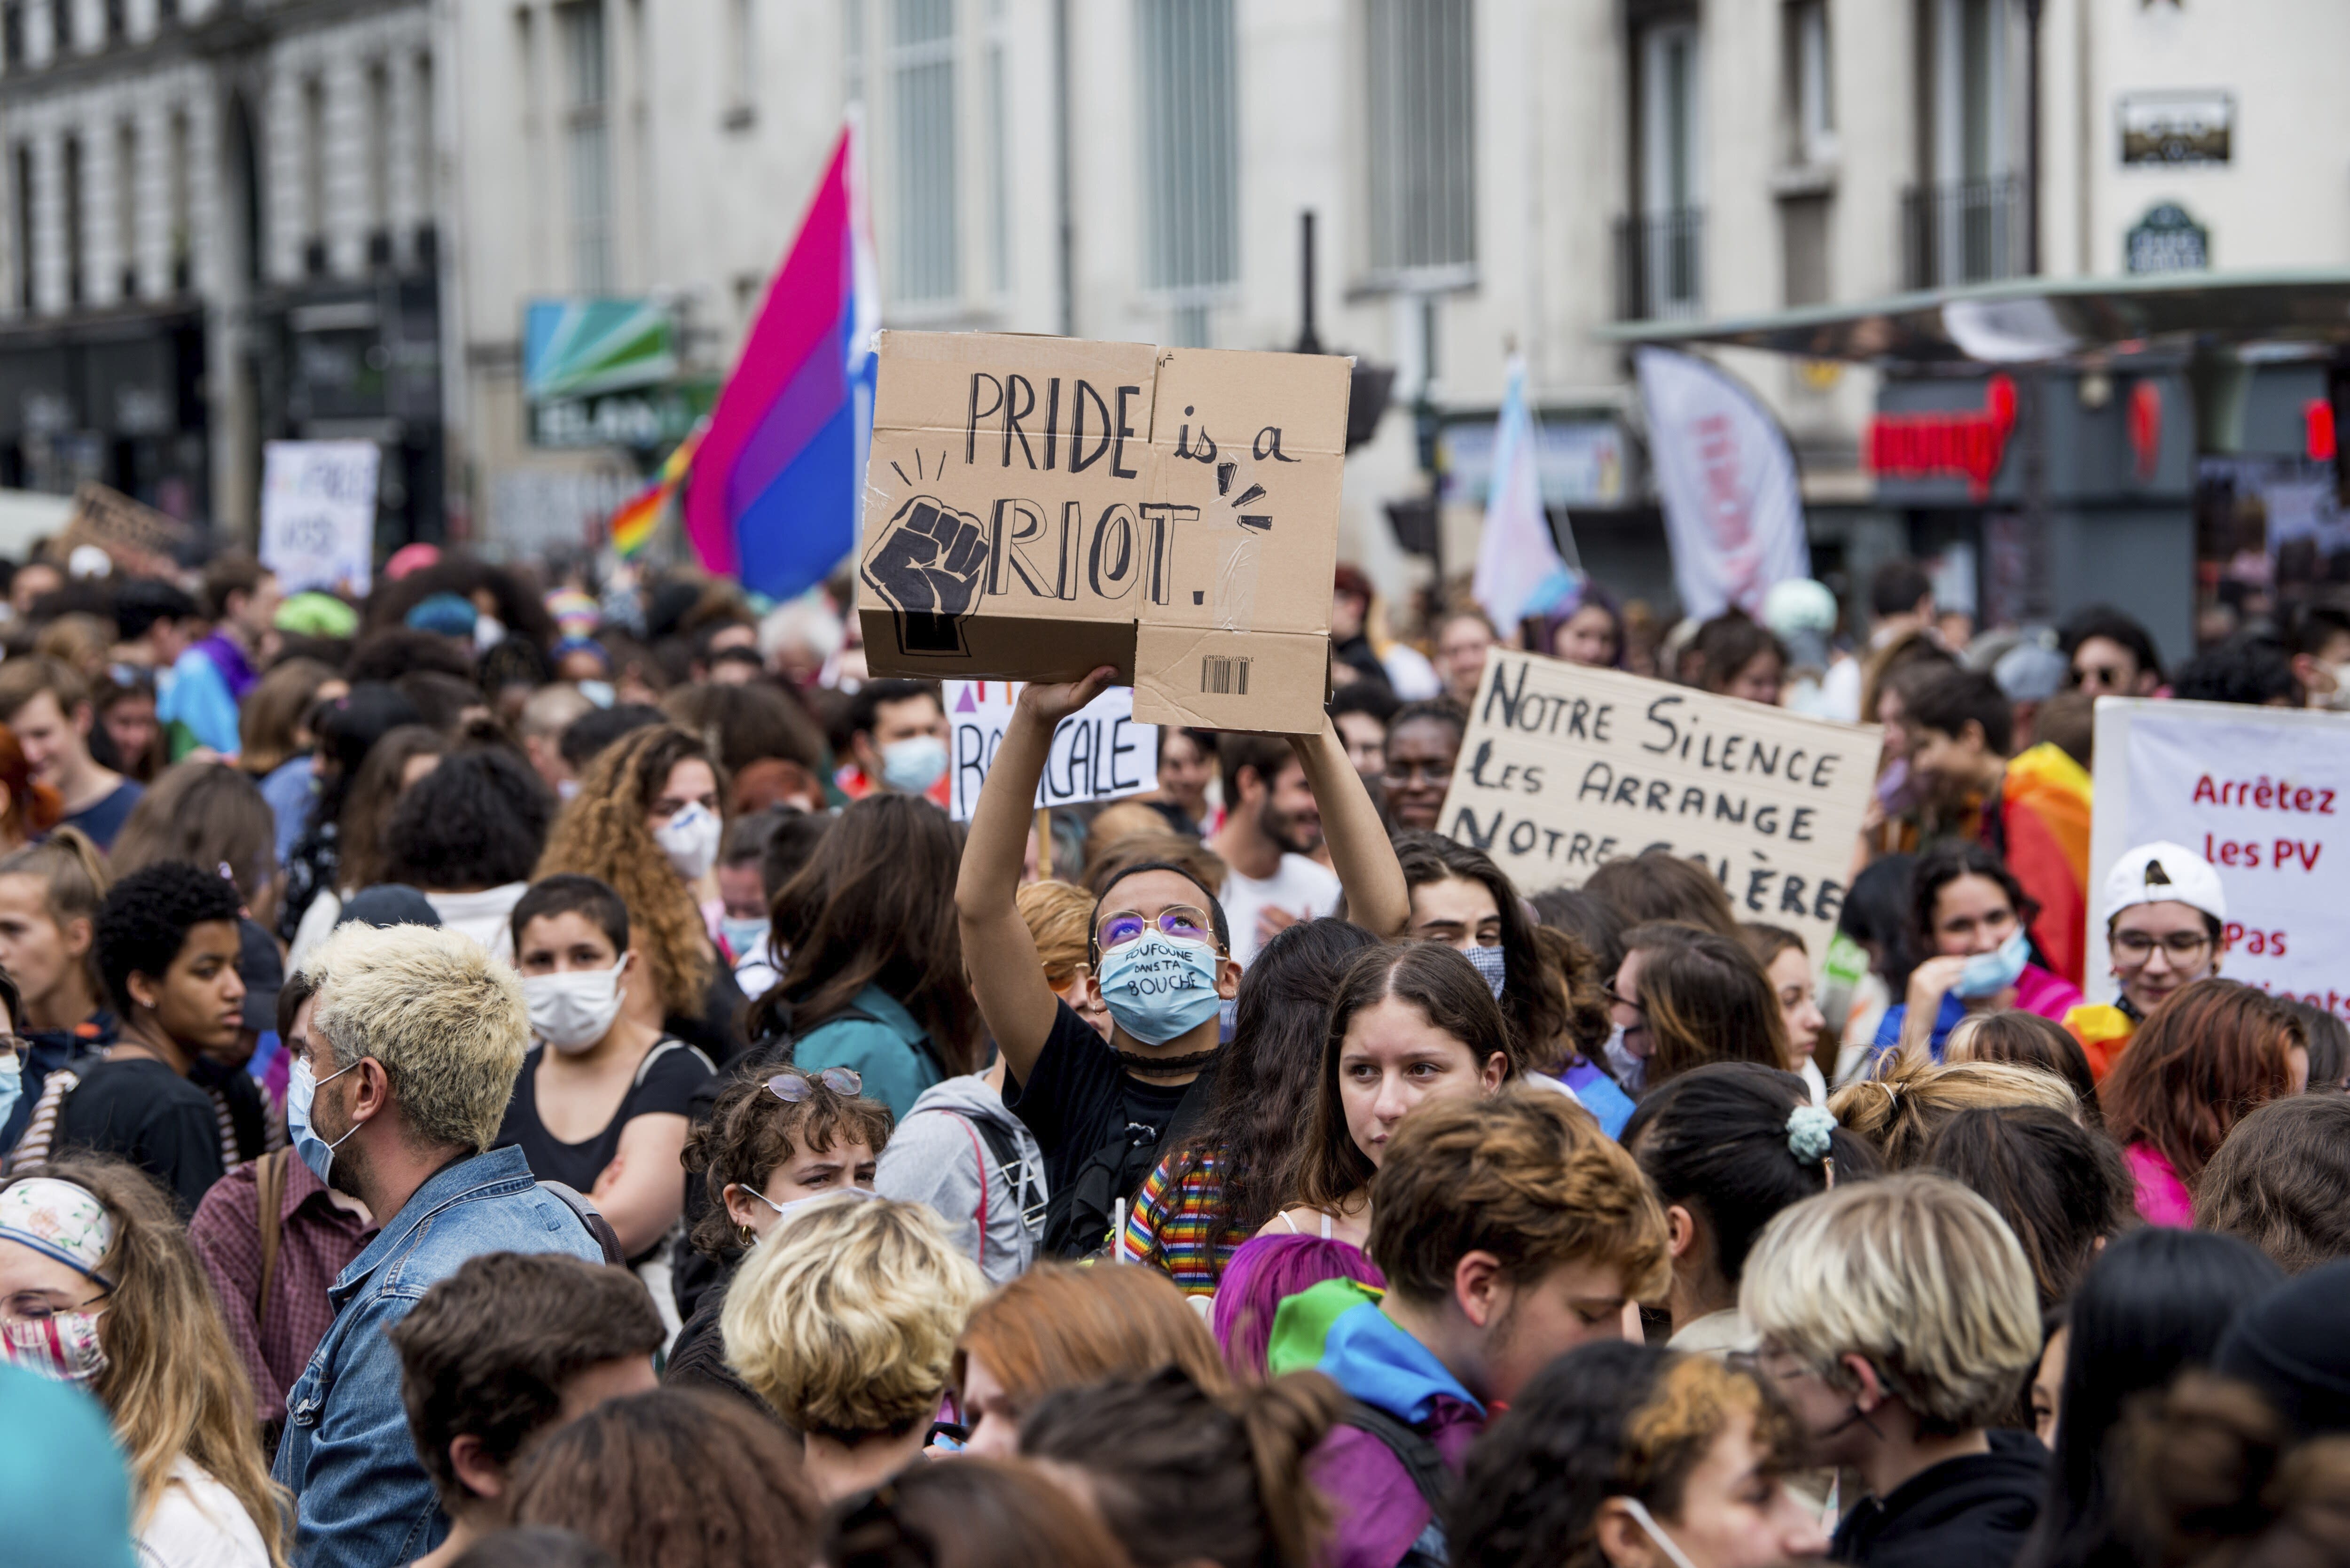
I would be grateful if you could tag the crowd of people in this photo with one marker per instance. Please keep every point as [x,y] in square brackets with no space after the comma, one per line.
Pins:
[521,1068]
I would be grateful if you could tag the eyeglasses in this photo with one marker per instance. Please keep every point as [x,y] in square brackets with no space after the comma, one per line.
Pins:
[2178,946]
[15,1045]
[793,1087]
[1418,773]
[1608,991]
[2111,675]
[1180,921]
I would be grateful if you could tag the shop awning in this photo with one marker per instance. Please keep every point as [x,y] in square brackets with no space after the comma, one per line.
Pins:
[2023,320]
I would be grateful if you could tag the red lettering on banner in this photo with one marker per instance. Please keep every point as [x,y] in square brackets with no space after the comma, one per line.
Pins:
[1968,443]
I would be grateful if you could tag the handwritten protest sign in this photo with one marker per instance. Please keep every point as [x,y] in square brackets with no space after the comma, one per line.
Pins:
[1565,767]
[139,540]
[1099,753]
[2260,792]
[317,513]
[1037,506]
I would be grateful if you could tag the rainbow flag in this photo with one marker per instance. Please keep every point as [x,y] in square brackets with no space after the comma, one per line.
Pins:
[773,498]
[636,518]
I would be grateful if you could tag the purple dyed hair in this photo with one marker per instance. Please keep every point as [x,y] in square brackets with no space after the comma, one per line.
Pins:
[1257,1278]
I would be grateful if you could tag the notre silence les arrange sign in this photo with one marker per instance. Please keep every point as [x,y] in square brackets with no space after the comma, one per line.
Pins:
[1099,753]
[2261,793]
[1037,506]
[1565,767]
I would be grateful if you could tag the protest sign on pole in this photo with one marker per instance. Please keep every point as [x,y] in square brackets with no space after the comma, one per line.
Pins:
[1565,767]
[317,514]
[1099,753]
[2258,791]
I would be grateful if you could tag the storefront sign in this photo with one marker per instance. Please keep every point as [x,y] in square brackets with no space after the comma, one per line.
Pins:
[2177,128]
[1099,753]
[603,372]
[1565,767]
[2260,792]
[1958,443]
[317,514]
[2168,240]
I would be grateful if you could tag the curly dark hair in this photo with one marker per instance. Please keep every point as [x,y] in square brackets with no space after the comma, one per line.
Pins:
[475,821]
[399,651]
[1945,864]
[751,1134]
[1609,1419]
[145,920]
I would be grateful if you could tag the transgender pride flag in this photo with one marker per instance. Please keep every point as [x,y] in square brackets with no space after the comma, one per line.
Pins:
[772,499]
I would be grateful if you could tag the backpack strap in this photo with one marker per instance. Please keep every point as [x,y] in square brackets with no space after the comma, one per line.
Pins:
[269,1192]
[591,1220]
[971,1130]
[1412,1448]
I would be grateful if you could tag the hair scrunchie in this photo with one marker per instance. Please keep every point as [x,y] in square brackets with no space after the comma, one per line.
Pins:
[1808,1127]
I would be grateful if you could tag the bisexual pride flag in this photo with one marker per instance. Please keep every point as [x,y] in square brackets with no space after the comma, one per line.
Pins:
[772,499]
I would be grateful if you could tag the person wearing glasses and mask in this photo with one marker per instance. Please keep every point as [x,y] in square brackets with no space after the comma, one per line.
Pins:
[601,1103]
[1162,961]
[2165,916]
[776,1139]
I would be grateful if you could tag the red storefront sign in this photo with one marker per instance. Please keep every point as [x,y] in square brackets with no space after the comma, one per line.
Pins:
[1946,444]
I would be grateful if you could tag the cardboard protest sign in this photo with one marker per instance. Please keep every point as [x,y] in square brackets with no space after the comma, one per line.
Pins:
[2262,793]
[136,538]
[1099,753]
[317,513]
[1037,506]
[1565,767]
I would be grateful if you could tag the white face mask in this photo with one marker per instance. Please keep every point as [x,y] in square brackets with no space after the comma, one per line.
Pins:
[573,1009]
[691,840]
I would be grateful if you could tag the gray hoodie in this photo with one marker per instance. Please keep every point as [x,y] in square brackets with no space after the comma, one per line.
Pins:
[939,1156]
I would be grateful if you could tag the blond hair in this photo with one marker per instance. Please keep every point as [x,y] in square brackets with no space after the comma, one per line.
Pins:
[1059,916]
[1903,1104]
[172,1385]
[446,1019]
[1915,1274]
[845,1318]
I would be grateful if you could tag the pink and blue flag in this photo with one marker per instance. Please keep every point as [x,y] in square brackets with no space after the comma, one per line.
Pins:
[772,500]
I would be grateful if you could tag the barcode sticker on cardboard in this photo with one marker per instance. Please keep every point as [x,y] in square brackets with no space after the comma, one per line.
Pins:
[1224,677]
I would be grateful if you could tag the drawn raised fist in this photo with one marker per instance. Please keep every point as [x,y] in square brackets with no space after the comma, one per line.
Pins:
[927,566]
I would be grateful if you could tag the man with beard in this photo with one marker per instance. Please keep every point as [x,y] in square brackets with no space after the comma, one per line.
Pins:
[1272,826]
[398,1083]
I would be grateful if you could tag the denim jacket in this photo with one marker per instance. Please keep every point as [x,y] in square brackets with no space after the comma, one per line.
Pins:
[362,1499]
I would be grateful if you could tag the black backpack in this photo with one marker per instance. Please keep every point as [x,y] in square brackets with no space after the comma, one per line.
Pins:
[1082,1214]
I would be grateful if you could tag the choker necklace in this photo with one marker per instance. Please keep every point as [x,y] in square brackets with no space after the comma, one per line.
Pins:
[1144,1066]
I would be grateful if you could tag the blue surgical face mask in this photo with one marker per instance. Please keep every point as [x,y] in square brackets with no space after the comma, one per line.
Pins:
[301,1089]
[600,693]
[913,764]
[1987,974]
[1159,988]
[745,938]
[1631,1070]
[11,1085]
[1488,963]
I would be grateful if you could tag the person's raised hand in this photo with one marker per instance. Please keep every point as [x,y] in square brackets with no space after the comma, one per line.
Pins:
[1932,981]
[1049,703]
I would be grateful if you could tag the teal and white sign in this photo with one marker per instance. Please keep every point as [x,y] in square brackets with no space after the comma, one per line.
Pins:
[604,372]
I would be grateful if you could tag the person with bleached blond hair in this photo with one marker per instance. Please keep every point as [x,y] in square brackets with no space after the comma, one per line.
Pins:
[844,1318]
[1897,1320]
[403,1061]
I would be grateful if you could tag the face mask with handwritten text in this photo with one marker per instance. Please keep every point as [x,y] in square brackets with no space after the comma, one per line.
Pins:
[1159,988]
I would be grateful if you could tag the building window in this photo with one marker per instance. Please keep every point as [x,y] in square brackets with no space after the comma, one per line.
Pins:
[923,91]
[852,50]
[12,34]
[60,28]
[742,63]
[1965,220]
[1810,97]
[167,10]
[118,21]
[1185,89]
[314,178]
[24,171]
[421,120]
[182,240]
[1660,263]
[76,284]
[1423,135]
[589,135]
[379,164]
[999,147]
[126,207]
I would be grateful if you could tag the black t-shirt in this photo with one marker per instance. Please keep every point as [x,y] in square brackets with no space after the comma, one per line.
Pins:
[139,1109]
[671,1071]
[1080,1099]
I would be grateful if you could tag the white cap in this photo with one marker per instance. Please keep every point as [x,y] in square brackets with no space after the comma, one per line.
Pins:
[2160,873]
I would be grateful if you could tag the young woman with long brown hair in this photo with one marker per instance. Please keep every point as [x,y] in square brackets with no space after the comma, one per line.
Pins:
[1685,996]
[49,895]
[2214,1053]
[876,979]
[647,820]
[98,1287]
